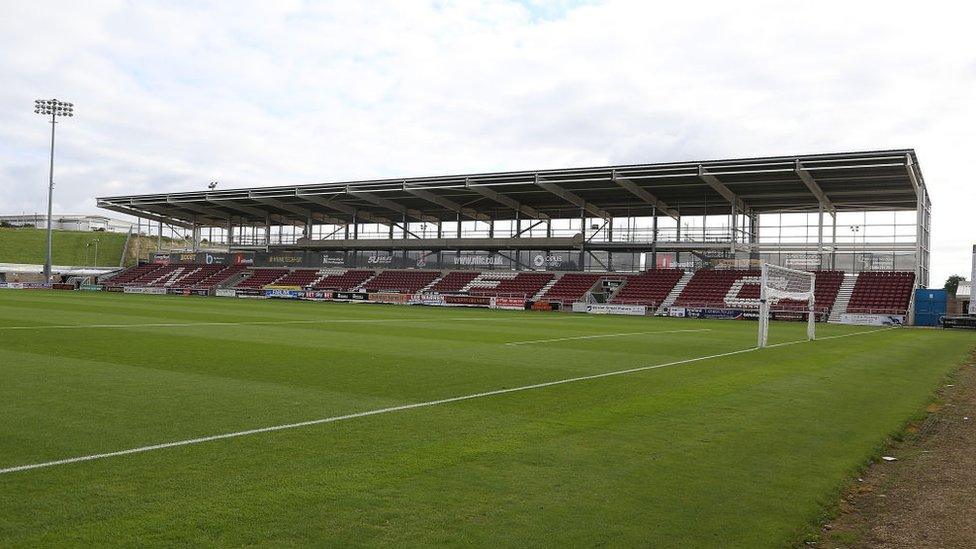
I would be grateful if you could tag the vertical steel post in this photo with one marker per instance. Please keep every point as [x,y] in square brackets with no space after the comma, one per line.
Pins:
[50,198]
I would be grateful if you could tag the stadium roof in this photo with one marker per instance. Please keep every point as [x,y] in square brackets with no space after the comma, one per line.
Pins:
[875,180]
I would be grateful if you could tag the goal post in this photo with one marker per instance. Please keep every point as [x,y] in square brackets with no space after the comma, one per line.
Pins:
[780,283]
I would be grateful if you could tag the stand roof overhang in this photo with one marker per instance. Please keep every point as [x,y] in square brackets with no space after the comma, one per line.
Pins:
[873,180]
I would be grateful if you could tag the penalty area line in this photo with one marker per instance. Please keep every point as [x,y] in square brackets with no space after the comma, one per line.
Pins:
[400,408]
[598,336]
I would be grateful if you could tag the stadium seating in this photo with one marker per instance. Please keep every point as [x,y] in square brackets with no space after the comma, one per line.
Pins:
[882,292]
[453,282]
[874,292]
[262,277]
[401,281]
[298,277]
[133,273]
[520,285]
[710,287]
[349,280]
[220,276]
[571,287]
[649,287]
[161,277]
[196,273]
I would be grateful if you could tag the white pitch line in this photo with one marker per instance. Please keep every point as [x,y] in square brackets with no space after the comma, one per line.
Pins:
[379,411]
[597,336]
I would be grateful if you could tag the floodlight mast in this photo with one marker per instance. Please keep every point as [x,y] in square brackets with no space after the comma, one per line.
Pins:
[55,108]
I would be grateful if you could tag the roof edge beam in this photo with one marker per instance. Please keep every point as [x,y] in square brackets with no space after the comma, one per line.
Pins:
[647,197]
[448,203]
[128,210]
[258,215]
[572,198]
[723,190]
[347,209]
[814,187]
[305,212]
[393,206]
[506,200]
[211,213]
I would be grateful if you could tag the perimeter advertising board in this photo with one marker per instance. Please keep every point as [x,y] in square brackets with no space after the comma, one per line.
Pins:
[284,293]
[427,299]
[188,291]
[350,296]
[512,303]
[144,290]
[609,309]
[279,259]
[205,258]
[864,319]
[25,286]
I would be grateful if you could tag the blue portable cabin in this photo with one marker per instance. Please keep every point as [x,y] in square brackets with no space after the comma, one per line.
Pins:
[930,306]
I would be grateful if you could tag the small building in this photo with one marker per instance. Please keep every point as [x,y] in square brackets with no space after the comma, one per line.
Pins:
[69,222]
[959,304]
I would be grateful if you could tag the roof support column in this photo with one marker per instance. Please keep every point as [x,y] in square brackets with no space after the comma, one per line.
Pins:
[732,224]
[833,242]
[754,235]
[518,224]
[653,237]
[820,242]
[583,234]
[195,232]
[267,232]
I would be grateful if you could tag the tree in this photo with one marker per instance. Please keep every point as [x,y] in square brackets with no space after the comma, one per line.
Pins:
[952,283]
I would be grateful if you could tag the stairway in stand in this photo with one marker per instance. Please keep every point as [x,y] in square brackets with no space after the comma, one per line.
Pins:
[545,288]
[843,297]
[675,292]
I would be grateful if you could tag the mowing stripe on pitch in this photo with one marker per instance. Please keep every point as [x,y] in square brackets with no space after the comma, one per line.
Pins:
[253,323]
[333,419]
[597,336]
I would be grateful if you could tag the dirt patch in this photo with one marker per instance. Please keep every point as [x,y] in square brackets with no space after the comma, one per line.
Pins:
[927,497]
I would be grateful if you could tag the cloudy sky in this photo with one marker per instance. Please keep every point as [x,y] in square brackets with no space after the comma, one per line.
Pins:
[172,95]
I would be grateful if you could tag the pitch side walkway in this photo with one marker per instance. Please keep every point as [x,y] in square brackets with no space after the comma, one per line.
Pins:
[927,498]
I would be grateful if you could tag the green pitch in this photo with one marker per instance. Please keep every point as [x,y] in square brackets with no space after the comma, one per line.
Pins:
[747,450]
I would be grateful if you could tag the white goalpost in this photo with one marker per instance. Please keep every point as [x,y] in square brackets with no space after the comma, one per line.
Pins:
[778,284]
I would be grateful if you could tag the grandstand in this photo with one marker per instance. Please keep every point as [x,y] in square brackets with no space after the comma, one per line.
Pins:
[685,236]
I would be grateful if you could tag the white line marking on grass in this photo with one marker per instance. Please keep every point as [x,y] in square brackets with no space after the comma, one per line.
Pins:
[333,419]
[597,336]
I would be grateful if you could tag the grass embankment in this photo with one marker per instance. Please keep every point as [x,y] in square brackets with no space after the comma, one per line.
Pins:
[29,246]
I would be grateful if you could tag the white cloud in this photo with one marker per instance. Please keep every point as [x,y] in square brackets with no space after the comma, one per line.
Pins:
[172,95]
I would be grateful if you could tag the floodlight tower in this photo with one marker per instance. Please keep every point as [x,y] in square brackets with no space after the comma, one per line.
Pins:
[53,108]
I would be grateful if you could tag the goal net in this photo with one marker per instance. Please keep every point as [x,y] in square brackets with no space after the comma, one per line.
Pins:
[788,290]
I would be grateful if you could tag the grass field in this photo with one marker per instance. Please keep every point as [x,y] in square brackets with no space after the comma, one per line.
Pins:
[744,450]
[28,246]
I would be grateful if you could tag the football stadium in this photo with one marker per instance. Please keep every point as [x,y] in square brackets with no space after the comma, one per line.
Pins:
[690,354]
